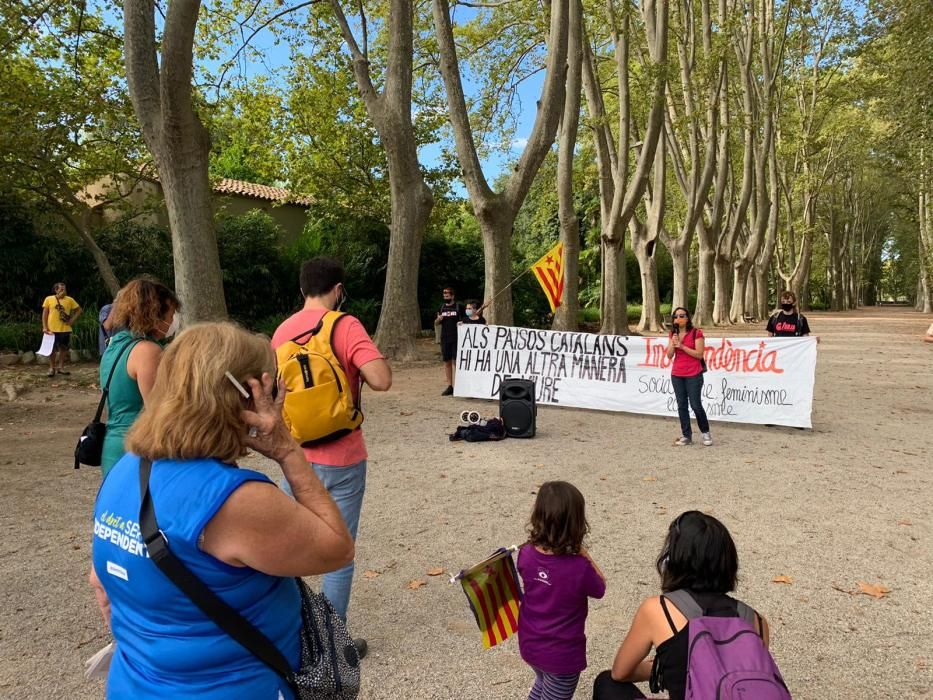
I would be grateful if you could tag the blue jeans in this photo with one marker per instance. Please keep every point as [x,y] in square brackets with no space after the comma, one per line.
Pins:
[346,486]
[690,389]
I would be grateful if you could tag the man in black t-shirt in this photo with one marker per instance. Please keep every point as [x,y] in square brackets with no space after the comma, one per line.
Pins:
[448,318]
[788,322]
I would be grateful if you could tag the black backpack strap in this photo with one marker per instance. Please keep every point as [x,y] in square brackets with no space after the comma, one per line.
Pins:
[688,607]
[310,333]
[228,619]
[667,614]
[317,329]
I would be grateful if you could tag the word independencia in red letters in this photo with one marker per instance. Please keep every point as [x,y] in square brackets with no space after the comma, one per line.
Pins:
[725,358]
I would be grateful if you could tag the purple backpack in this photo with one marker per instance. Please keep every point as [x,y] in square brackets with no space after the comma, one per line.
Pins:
[726,659]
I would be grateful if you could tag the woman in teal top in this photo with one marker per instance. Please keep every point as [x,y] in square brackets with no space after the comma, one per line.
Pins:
[145,314]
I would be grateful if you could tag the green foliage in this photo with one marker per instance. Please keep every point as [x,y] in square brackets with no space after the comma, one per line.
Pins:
[20,286]
[248,129]
[449,260]
[136,249]
[259,280]
[84,332]
[20,336]
[34,261]
[65,116]
[362,246]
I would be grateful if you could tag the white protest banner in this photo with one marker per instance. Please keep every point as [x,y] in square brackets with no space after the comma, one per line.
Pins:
[749,380]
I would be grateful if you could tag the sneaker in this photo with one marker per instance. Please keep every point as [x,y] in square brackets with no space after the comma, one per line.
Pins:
[362,648]
[61,371]
[50,373]
[707,439]
[683,441]
[449,391]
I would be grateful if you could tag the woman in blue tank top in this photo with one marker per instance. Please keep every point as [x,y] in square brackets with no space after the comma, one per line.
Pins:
[233,528]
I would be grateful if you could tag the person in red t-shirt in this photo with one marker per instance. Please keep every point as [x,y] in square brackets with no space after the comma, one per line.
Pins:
[341,464]
[686,347]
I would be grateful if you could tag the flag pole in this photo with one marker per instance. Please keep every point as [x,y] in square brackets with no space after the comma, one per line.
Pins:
[508,285]
[457,577]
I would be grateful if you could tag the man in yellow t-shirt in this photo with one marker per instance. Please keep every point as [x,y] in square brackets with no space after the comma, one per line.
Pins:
[59,312]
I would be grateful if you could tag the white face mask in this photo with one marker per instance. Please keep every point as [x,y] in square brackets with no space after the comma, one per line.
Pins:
[174,325]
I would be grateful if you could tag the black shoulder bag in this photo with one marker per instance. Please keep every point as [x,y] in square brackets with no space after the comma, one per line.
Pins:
[330,664]
[90,447]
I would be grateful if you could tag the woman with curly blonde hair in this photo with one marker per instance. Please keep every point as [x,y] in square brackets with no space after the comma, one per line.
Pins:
[145,314]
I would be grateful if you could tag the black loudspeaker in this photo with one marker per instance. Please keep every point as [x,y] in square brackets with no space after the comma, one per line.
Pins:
[517,407]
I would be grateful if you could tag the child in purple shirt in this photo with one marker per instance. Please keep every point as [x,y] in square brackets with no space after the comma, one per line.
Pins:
[558,576]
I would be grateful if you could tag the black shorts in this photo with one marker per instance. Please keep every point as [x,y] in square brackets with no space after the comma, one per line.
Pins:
[449,350]
[62,341]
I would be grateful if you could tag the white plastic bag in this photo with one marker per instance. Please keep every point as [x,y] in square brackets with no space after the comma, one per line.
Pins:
[98,666]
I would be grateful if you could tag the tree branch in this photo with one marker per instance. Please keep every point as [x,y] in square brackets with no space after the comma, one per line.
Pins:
[142,68]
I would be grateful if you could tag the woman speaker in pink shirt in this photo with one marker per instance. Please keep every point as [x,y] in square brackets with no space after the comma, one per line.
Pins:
[686,346]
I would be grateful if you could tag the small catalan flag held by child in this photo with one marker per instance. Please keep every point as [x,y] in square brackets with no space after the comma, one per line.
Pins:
[494,594]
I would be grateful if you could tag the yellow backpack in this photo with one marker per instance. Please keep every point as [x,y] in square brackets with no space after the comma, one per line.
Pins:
[319,404]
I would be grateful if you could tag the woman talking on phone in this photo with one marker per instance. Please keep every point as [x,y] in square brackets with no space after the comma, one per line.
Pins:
[235,530]
[686,347]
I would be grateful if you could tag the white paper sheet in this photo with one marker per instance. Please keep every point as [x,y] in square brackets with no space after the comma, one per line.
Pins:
[48,344]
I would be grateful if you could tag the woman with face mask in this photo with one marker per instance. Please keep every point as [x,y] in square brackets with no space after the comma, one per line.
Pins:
[788,322]
[686,346]
[146,314]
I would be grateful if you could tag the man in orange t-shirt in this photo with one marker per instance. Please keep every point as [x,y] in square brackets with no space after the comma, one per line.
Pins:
[341,464]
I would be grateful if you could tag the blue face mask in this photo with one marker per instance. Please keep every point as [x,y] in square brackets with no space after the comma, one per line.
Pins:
[470,313]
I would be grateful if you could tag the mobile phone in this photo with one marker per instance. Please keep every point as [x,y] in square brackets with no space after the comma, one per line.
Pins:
[246,393]
[239,387]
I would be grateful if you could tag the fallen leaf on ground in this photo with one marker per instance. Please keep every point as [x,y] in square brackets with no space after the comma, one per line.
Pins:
[603,478]
[875,590]
[436,571]
[416,584]
[539,465]
[406,413]
[905,521]
[901,471]
[650,478]
[782,579]
[839,588]
[369,573]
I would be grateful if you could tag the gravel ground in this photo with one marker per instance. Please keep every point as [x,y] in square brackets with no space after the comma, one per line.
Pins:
[847,502]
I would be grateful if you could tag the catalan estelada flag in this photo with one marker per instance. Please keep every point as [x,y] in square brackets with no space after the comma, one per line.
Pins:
[550,273]
[494,594]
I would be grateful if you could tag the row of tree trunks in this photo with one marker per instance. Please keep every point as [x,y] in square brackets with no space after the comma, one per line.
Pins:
[621,191]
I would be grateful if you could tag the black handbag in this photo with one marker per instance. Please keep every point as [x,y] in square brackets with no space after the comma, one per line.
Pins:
[330,663]
[90,447]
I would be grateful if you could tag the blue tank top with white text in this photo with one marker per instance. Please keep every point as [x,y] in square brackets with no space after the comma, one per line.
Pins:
[165,646]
